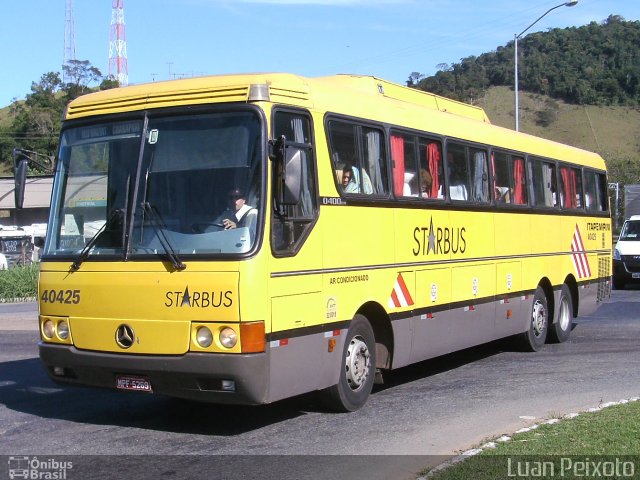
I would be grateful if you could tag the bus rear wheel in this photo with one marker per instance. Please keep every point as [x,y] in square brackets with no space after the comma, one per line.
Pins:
[534,338]
[357,369]
[561,328]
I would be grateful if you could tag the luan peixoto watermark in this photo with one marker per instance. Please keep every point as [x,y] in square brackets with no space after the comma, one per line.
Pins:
[571,467]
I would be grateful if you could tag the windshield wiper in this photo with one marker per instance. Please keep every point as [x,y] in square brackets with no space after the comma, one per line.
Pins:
[84,253]
[159,227]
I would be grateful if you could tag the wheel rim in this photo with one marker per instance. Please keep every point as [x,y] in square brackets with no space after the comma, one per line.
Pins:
[357,363]
[538,318]
[564,317]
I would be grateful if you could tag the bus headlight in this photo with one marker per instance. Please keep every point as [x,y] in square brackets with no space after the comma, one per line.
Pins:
[228,337]
[204,337]
[63,330]
[48,329]
[616,254]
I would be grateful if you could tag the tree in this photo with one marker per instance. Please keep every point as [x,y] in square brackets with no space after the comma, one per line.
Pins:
[82,74]
[414,78]
[109,83]
[35,122]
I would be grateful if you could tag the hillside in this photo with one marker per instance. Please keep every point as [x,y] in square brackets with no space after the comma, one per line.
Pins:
[596,64]
[608,130]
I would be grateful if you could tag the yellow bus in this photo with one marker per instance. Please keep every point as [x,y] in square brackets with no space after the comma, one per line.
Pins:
[247,238]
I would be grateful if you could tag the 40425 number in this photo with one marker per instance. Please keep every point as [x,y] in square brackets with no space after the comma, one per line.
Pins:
[60,296]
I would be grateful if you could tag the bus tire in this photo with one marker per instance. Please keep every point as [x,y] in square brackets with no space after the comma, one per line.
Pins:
[534,338]
[561,328]
[357,371]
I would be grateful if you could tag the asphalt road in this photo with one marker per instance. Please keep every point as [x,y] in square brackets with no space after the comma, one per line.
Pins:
[422,414]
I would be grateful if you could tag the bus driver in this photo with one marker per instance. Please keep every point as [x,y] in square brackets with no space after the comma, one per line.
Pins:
[238,213]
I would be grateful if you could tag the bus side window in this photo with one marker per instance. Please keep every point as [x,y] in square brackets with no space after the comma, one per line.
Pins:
[543,183]
[373,162]
[590,191]
[571,182]
[457,172]
[292,224]
[359,150]
[468,173]
[479,175]
[343,154]
[500,163]
[406,182]
[508,178]
[431,168]
[602,193]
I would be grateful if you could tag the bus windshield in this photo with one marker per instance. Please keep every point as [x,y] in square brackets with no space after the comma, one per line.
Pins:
[183,185]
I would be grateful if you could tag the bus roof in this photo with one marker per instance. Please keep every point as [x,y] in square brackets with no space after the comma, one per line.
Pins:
[238,88]
[353,95]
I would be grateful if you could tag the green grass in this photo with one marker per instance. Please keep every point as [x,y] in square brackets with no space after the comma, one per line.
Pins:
[5,118]
[603,129]
[589,440]
[19,283]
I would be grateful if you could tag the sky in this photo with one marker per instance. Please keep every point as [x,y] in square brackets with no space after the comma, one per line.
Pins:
[169,39]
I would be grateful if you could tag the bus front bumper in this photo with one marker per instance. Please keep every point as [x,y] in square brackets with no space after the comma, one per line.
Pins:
[195,376]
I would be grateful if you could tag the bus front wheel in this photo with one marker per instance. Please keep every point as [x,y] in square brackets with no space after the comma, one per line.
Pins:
[534,338]
[357,369]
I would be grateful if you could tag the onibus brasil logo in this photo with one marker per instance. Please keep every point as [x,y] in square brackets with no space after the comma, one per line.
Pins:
[38,469]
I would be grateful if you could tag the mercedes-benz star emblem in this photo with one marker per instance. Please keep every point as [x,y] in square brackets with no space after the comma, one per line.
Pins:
[125,336]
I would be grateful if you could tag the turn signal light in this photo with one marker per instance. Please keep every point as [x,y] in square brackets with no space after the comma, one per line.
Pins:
[252,337]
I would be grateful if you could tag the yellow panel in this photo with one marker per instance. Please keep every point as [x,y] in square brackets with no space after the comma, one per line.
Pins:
[513,234]
[473,281]
[151,336]
[296,311]
[184,295]
[508,277]
[433,287]
[473,234]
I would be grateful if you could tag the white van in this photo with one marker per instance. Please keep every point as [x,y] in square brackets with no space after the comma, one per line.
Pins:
[626,254]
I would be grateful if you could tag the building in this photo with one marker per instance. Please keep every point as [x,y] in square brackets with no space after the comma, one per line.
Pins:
[37,199]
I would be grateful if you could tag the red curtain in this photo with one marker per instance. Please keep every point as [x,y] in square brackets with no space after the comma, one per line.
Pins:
[569,190]
[433,156]
[518,178]
[397,155]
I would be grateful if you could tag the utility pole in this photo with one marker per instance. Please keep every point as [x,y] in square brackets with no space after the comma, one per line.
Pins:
[69,37]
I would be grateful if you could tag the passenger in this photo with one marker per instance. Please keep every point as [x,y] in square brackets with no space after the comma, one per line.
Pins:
[503,194]
[425,184]
[351,184]
[348,181]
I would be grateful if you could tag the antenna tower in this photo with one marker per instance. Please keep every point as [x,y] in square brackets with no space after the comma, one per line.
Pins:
[69,36]
[118,67]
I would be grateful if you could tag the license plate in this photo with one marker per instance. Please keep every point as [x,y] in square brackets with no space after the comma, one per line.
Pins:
[133,383]
[635,275]
[11,245]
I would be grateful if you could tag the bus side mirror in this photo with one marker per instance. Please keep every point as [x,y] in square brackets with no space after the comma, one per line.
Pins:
[292,176]
[287,172]
[20,174]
